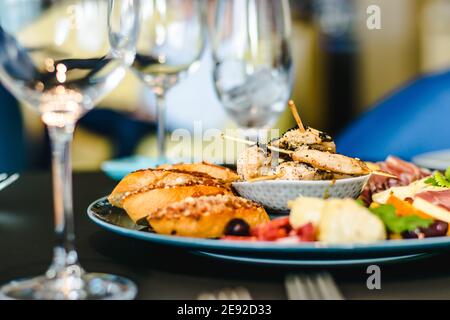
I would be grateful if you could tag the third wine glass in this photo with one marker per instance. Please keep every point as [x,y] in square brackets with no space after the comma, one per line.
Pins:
[253,65]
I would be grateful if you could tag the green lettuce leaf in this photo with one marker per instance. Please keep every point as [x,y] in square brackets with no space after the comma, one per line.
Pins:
[432,181]
[399,224]
[439,179]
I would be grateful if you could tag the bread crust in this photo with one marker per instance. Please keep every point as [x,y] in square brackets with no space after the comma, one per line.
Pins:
[215,171]
[141,204]
[149,179]
[206,216]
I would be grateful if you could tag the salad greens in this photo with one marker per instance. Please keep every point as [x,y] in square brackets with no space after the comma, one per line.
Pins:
[439,179]
[399,224]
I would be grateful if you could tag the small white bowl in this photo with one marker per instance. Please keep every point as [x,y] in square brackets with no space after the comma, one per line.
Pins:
[275,194]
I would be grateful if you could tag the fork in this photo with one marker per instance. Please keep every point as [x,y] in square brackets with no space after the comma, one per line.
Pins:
[313,286]
[6,181]
[238,293]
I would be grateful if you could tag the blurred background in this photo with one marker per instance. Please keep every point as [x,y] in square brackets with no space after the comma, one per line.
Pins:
[342,70]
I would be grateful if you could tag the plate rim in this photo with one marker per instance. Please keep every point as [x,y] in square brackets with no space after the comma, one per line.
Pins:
[425,159]
[312,262]
[273,247]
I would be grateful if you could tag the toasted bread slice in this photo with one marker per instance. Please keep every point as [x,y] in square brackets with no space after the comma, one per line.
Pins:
[205,217]
[213,170]
[142,203]
[149,179]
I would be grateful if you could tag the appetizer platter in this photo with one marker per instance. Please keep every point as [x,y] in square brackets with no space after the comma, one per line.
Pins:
[294,201]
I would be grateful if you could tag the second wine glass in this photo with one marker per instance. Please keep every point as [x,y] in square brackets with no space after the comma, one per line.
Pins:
[169,46]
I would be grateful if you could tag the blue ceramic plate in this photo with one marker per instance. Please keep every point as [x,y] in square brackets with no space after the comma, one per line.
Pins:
[316,262]
[439,160]
[119,168]
[116,220]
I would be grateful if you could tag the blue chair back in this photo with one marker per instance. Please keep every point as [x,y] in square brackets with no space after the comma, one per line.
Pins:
[412,120]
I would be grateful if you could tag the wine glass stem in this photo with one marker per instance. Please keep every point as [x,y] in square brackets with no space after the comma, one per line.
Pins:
[64,251]
[161,109]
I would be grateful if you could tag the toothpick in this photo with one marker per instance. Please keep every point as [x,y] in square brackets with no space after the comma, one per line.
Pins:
[375,169]
[248,142]
[297,118]
[289,152]
[384,174]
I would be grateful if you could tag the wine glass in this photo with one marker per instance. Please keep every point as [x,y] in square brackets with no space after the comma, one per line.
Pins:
[253,69]
[169,46]
[55,56]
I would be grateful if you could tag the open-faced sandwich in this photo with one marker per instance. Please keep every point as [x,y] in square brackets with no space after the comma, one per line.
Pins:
[205,216]
[187,199]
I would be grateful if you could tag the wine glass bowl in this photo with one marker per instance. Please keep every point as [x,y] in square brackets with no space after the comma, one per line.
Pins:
[169,46]
[56,56]
[67,68]
[252,60]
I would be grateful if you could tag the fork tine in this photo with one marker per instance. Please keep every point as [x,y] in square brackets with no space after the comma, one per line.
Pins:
[291,290]
[313,289]
[206,296]
[296,288]
[323,287]
[225,294]
[232,294]
[326,281]
[243,294]
[238,293]
[315,286]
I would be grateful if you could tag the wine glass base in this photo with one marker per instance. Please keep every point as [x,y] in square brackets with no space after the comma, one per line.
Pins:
[90,286]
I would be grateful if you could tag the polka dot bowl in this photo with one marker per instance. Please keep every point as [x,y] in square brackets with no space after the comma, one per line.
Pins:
[275,194]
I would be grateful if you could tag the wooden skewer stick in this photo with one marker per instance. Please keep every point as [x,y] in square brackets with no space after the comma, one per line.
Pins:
[384,174]
[297,118]
[248,142]
[272,148]
[375,169]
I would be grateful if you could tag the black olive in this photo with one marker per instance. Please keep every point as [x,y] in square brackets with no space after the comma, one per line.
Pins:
[413,234]
[436,229]
[237,227]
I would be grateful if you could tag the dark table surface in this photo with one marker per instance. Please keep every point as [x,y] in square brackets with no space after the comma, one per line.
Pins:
[26,239]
